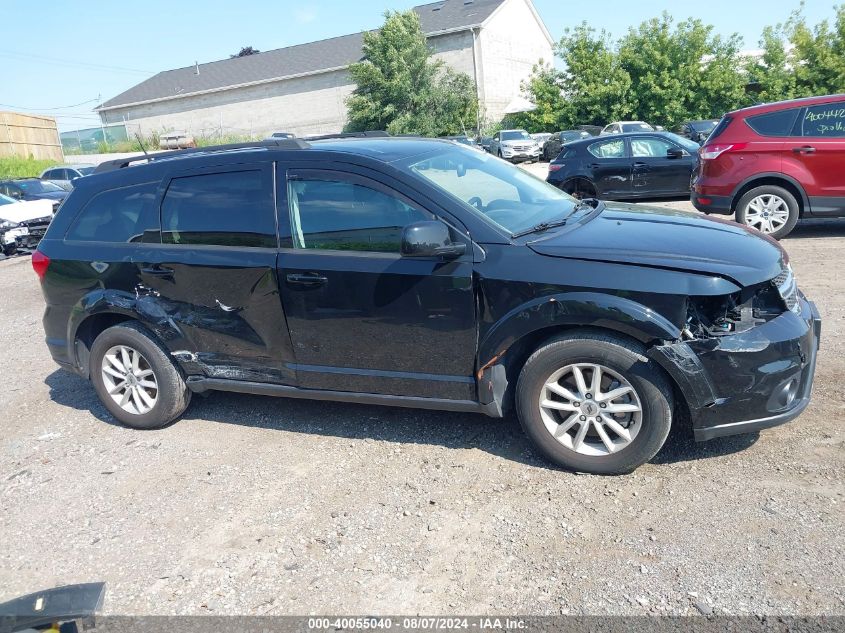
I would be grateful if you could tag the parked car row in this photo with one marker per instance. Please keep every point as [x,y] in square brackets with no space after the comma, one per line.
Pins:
[769,165]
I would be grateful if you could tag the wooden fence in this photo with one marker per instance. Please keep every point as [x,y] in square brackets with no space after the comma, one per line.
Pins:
[29,135]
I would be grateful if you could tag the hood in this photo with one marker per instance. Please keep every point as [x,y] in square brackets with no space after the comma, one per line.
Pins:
[26,210]
[519,141]
[669,238]
[48,195]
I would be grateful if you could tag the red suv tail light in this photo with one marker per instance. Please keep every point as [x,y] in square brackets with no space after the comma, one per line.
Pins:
[713,151]
[40,263]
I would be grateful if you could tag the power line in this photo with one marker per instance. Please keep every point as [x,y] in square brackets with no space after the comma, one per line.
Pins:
[6,105]
[70,62]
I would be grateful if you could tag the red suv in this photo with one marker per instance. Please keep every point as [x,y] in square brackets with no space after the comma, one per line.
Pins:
[773,164]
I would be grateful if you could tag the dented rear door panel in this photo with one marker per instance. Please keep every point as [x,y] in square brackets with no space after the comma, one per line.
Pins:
[223,305]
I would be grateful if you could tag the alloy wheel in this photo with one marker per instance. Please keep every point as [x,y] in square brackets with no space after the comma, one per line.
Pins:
[767,213]
[591,409]
[129,379]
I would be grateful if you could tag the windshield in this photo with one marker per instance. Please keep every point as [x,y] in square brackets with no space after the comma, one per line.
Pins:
[516,135]
[85,171]
[38,186]
[7,200]
[573,136]
[502,194]
[703,126]
[636,127]
[690,146]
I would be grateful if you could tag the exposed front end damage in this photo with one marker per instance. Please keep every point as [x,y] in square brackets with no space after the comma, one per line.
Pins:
[746,361]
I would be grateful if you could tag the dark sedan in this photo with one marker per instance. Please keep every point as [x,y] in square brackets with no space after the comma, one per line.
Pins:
[697,131]
[552,147]
[33,189]
[623,166]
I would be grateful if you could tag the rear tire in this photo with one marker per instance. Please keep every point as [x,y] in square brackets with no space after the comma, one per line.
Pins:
[135,378]
[612,427]
[580,188]
[770,209]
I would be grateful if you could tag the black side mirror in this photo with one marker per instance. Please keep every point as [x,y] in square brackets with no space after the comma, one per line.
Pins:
[674,153]
[430,239]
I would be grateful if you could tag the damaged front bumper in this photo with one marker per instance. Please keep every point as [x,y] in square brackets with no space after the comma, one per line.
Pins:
[742,383]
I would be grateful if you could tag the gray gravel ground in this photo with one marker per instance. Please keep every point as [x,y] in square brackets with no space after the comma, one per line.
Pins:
[254,505]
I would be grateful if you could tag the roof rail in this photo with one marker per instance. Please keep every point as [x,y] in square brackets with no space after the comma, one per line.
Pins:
[367,134]
[281,143]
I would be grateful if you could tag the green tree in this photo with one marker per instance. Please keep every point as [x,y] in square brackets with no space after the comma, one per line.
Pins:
[818,55]
[542,88]
[771,76]
[680,73]
[595,87]
[399,88]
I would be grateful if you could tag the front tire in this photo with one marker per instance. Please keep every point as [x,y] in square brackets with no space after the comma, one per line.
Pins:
[770,209]
[135,378]
[592,402]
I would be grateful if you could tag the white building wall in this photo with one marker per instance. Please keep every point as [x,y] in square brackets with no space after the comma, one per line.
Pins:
[510,44]
[455,50]
[507,48]
[306,105]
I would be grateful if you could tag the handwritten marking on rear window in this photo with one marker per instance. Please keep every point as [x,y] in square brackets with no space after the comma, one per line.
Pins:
[833,113]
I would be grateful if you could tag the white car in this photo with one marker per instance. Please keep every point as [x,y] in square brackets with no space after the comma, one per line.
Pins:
[23,223]
[623,127]
[63,175]
[515,145]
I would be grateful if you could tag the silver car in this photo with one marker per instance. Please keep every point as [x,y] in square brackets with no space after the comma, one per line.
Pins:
[515,146]
[63,175]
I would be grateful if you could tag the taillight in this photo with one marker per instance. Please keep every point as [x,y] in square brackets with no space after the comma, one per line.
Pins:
[710,152]
[553,167]
[40,263]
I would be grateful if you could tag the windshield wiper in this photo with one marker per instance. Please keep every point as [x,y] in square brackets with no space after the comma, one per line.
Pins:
[588,203]
[542,226]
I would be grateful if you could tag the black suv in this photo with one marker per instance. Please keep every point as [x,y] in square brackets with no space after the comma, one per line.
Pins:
[420,273]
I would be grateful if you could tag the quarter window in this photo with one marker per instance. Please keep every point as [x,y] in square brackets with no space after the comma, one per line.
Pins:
[774,123]
[221,209]
[824,120]
[118,215]
[345,215]
[608,149]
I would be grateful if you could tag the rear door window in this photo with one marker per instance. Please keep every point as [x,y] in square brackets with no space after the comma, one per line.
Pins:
[221,208]
[128,214]
[650,147]
[608,149]
[773,123]
[827,120]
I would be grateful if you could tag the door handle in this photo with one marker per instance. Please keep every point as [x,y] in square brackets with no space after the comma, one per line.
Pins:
[306,279]
[157,271]
[804,149]
[640,164]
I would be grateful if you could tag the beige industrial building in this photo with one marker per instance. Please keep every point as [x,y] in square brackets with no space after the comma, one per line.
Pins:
[303,89]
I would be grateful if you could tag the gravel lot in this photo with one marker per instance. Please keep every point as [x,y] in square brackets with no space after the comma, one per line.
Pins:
[254,505]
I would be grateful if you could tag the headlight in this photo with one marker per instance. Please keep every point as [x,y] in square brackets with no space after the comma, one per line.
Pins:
[5,225]
[733,314]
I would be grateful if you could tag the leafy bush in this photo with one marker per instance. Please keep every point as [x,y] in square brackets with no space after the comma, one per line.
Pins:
[17,167]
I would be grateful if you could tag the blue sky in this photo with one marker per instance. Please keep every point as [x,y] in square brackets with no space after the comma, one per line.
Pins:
[60,61]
